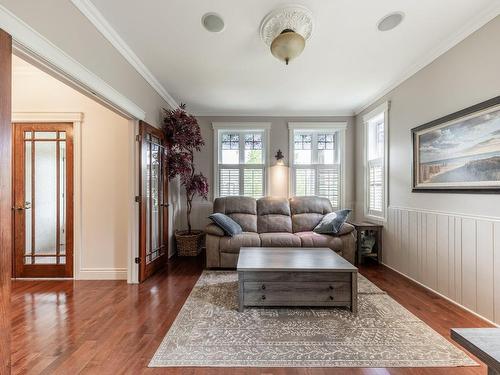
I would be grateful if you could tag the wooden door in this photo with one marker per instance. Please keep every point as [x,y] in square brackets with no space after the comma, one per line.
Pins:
[153,202]
[43,200]
[5,198]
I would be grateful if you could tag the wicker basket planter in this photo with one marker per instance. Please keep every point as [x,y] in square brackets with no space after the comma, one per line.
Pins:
[189,245]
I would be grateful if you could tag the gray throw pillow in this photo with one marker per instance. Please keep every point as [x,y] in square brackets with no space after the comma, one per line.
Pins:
[228,225]
[332,222]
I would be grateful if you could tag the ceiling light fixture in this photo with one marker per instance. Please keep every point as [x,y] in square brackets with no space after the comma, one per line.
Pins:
[286,30]
[390,21]
[212,22]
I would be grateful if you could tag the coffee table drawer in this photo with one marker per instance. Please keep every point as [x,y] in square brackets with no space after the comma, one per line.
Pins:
[299,277]
[263,293]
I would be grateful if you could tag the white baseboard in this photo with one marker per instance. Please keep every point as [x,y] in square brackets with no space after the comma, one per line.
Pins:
[442,295]
[102,274]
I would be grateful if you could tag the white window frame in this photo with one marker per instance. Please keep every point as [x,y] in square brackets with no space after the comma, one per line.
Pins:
[220,128]
[328,127]
[382,215]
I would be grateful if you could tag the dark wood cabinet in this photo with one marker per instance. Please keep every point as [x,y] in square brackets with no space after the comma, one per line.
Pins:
[371,229]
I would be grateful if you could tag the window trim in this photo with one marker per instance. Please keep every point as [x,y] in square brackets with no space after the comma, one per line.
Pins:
[337,126]
[382,108]
[219,128]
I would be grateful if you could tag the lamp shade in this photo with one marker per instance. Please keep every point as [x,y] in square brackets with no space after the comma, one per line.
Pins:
[287,45]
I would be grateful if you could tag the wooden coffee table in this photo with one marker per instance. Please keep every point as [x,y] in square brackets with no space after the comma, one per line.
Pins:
[484,343]
[296,277]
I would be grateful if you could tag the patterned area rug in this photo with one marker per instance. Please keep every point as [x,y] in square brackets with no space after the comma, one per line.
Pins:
[209,331]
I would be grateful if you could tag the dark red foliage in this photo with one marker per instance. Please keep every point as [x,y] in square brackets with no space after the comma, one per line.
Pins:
[196,184]
[183,137]
[179,163]
[182,130]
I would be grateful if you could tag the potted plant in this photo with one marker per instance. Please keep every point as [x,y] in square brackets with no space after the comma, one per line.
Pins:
[183,137]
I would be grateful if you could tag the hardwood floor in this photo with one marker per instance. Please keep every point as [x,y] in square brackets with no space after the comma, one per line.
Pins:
[109,327]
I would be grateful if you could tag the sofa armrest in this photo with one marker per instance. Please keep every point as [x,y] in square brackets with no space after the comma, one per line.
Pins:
[345,229]
[214,230]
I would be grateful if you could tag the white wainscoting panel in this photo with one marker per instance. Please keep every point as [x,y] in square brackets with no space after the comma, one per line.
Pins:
[496,272]
[458,256]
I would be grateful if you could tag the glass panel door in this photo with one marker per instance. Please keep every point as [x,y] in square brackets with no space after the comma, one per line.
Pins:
[43,200]
[153,202]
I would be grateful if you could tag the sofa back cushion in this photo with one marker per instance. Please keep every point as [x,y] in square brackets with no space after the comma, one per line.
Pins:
[307,212]
[243,210]
[273,215]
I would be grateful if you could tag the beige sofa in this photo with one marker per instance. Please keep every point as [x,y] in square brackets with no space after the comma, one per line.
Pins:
[274,222]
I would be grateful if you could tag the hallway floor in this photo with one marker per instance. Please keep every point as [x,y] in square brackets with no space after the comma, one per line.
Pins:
[109,327]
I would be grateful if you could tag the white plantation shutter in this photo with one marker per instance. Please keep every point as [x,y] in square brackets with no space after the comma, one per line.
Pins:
[229,182]
[305,182]
[316,164]
[253,183]
[375,162]
[375,186]
[328,184]
[240,167]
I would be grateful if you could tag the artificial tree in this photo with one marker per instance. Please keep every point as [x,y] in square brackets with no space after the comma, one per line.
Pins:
[183,138]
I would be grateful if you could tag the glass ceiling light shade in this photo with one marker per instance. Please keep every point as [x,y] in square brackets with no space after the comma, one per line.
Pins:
[285,30]
[288,45]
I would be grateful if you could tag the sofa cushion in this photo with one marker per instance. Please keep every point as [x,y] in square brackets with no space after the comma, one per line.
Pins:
[279,240]
[273,215]
[307,212]
[243,210]
[228,225]
[313,239]
[233,244]
[332,222]
[305,222]
[231,205]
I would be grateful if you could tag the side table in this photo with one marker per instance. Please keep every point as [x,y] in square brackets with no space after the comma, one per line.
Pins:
[376,231]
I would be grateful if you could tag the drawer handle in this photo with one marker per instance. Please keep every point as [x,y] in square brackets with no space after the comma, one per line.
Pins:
[263,297]
[331,297]
[263,287]
[331,287]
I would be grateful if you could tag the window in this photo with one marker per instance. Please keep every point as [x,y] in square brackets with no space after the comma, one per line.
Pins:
[240,155]
[316,160]
[375,162]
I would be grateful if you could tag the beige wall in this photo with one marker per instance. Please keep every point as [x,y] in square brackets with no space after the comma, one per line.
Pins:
[106,156]
[444,241]
[68,29]
[278,140]
[62,23]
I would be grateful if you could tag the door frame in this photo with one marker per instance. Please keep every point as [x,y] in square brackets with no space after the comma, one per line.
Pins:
[76,118]
[144,272]
[5,200]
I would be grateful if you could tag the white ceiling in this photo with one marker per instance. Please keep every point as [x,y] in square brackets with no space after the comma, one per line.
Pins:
[346,64]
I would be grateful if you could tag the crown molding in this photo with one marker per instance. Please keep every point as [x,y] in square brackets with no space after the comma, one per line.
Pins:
[289,115]
[89,10]
[473,25]
[28,41]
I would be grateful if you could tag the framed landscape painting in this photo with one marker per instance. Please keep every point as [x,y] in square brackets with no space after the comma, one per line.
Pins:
[459,152]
